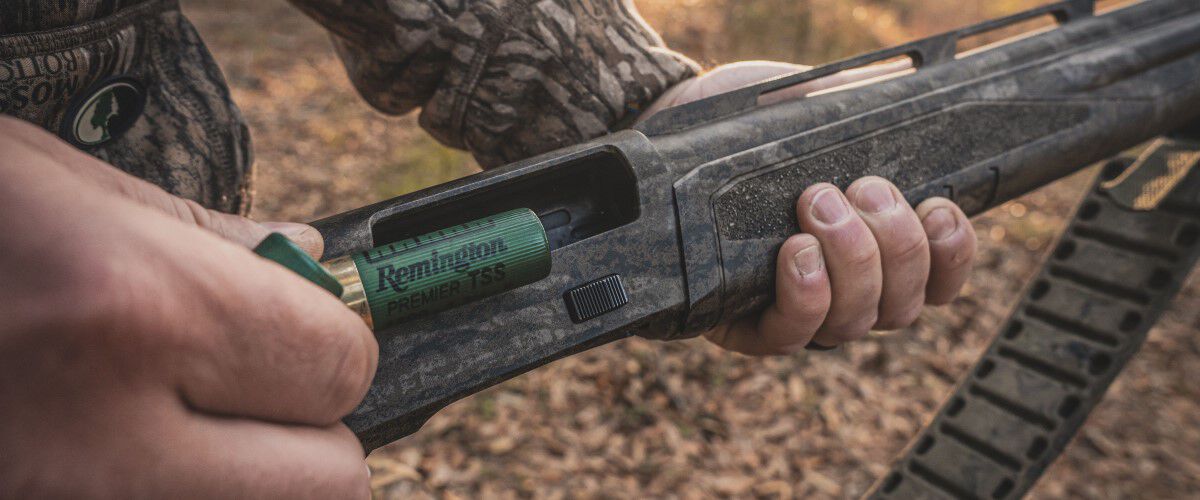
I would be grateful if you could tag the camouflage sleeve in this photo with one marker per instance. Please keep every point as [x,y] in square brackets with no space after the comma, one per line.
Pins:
[503,79]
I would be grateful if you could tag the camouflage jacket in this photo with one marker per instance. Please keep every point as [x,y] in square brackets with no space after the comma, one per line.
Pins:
[130,81]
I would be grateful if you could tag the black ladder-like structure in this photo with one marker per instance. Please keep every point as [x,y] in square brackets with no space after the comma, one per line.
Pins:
[1112,274]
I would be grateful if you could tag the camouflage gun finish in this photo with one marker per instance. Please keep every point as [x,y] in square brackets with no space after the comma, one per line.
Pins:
[673,226]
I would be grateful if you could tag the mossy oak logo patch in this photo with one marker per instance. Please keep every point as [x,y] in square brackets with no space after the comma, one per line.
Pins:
[105,112]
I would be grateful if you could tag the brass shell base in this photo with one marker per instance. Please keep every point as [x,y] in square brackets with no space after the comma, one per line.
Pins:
[353,294]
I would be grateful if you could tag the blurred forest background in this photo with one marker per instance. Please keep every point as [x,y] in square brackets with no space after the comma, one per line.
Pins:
[684,419]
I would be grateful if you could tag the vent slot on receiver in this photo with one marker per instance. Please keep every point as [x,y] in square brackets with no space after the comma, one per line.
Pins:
[577,199]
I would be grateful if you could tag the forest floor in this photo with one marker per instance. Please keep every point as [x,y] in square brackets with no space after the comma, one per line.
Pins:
[684,419]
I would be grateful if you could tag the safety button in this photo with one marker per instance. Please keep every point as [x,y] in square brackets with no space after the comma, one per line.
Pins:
[598,297]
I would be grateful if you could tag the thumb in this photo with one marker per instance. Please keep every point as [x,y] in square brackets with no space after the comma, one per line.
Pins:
[235,228]
[241,230]
[304,235]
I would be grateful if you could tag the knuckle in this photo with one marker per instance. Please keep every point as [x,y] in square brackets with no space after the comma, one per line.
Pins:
[863,254]
[806,310]
[954,255]
[190,211]
[810,309]
[228,226]
[234,227]
[909,245]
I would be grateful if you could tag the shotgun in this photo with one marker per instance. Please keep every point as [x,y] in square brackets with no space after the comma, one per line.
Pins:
[671,227]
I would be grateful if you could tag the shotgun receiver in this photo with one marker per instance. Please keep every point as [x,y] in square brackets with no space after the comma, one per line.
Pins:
[671,227]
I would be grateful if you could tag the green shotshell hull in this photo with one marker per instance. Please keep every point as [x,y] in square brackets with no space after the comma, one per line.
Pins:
[452,266]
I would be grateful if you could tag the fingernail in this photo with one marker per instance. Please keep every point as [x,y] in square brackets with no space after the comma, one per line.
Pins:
[302,234]
[940,224]
[829,206]
[875,197]
[808,260]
